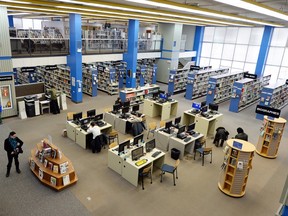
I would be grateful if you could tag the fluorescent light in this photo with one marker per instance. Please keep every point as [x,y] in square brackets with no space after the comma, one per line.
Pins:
[17,14]
[255,7]
[189,9]
[18,2]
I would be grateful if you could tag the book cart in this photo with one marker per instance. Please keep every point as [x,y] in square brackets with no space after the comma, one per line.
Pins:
[236,166]
[51,166]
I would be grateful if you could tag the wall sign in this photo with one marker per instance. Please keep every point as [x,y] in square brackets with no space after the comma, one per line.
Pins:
[264,110]
[249,75]
[5,78]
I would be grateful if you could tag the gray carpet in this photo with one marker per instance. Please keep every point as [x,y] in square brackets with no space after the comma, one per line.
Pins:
[101,191]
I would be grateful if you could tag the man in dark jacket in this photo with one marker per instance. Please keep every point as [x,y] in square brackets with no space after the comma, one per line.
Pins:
[241,135]
[220,136]
[12,146]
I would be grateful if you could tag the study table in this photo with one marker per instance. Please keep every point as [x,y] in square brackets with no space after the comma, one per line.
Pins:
[166,110]
[124,166]
[80,136]
[205,126]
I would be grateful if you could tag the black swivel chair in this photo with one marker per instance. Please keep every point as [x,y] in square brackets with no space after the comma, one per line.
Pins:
[170,169]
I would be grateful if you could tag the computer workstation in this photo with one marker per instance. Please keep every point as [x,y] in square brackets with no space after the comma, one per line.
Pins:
[128,158]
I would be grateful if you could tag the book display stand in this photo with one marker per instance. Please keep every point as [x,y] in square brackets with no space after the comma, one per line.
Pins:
[270,137]
[236,166]
[51,167]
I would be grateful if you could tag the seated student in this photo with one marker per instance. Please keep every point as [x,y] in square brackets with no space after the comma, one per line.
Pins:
[221,135]
[241,134]
[118,101]
[95,130]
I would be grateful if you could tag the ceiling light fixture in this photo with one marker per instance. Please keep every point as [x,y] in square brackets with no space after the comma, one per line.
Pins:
[255,7]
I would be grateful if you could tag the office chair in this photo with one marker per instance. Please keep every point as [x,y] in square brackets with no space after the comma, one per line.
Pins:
[151,128]
[112,145]
[112,136]
[162,124]
[170,169]
[203,151]
[146,171]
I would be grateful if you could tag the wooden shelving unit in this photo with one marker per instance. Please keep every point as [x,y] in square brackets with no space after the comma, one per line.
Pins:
[51,166]
[235,169]
[270,137]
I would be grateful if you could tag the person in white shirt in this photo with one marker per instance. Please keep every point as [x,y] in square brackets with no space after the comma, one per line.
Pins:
[95,130]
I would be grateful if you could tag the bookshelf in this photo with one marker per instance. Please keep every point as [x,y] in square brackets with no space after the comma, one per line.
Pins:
[141,73]
[26,75]
[51,166]
[197,82]
[220,86]
[89,80]
[177,81]
[107,78]
[138,95]
[56,75]
[120,73]
[274,96]
[270,137]
[236,167]
[246,92]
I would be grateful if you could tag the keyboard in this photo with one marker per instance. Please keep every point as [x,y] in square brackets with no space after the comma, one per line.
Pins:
[155,154]
[141,162]
[84,127]
[133,113]
[191,132]
[100,123]
[181,136]
[208,117]
[195,135]
[187,139]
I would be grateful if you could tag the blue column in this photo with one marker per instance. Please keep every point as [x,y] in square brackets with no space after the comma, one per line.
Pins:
[74,60]
[131,56]
[10,20]
[264,49]
[199,34]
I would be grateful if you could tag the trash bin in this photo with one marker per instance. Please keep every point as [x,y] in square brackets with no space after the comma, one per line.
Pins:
[175,153]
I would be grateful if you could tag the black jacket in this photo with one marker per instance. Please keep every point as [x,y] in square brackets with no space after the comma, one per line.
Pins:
[8,147]
[222,133]
[242,136]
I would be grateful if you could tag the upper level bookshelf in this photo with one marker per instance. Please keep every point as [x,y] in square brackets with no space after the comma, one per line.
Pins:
[246,92]
[220,86]
[197,81]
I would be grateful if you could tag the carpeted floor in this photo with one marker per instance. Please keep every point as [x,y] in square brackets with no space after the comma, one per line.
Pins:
[100,191]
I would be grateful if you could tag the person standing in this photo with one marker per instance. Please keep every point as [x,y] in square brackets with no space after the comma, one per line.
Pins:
[241,134]
[220,136]
[95,130]
[54,103]
[13,146]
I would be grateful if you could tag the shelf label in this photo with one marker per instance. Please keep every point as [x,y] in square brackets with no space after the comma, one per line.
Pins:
[5,78]
[51,67]
[265,110]
[249,75]
[28,69]
[193,67]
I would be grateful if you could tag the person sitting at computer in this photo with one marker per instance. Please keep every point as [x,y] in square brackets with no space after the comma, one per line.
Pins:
[95,130]
[220,136]
[241,134]
[118,101]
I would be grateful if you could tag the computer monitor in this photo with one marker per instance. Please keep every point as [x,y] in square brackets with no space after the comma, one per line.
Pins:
[125,109]
[91,113]
[126,104]
[196,106]
[181,129]
[155,95]
[177,120]
[117,107]
[137,153]
[137,139]
[163,96]
[204,109]
[161,92]
[85,121]
[123,145]
[135,108]
[150,145]
[98,117]
[191,127]
[213,107]
[203,103]
[77,116]
[168,124]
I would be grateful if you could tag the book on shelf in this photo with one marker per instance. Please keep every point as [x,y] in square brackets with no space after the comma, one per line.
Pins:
[234,153]
[40,173]
[50,165]
[55,169]
[63,167]
[59,154]
[53,180]
[32,164]
[233,161]
[66,180]
[53,153]
[45,163]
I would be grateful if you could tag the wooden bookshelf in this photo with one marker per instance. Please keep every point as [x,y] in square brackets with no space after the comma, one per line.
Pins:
[51,166]
[234,176]
[270,137]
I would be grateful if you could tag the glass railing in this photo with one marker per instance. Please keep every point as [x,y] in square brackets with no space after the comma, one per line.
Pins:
[148,45]
[23,47]
[94,46]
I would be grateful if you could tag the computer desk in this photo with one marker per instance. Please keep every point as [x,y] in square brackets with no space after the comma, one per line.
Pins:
[205,126]
[166,110]
[183,146]
[81,137]
[124,166]
[162,139]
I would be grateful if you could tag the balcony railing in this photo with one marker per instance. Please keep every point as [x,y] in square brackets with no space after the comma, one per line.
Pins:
[25,47]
